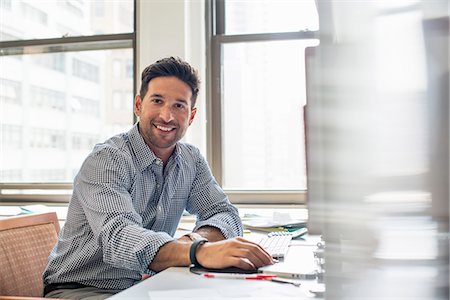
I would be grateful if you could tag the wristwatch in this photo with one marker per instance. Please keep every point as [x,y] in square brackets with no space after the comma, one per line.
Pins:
[197,241]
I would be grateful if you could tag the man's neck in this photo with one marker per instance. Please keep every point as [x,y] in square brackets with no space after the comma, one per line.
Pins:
[164,154]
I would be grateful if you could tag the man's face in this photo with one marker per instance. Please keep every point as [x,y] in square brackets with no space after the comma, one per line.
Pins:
[165,113]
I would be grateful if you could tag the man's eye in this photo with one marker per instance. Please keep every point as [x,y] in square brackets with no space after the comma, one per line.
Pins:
[157,101]
[180,106]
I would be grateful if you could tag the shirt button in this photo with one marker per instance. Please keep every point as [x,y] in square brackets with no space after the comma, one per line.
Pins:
[158,185]
[159,208]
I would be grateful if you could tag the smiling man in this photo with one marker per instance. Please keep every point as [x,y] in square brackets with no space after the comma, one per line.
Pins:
[129,196]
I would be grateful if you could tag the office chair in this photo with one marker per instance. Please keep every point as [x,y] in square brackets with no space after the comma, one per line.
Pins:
[25,244]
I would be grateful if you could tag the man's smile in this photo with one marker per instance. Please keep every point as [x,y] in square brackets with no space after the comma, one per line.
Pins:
[164,128]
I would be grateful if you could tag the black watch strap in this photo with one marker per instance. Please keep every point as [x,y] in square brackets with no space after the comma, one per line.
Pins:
[193,250]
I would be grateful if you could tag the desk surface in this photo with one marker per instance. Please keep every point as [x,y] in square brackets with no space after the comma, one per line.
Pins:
[179,283]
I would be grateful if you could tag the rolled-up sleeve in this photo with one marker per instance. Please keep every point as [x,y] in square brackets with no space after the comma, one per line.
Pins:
[211,205]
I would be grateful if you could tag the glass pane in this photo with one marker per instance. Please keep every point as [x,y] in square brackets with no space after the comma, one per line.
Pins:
[262,16]
[39,19]
[263,129]
[55,107]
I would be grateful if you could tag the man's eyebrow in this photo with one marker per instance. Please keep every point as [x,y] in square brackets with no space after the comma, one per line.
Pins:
[182,101]
[156,95]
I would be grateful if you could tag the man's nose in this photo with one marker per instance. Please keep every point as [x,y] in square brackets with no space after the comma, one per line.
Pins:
[166,113]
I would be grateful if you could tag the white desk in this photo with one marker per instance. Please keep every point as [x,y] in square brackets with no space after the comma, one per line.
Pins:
[179,283]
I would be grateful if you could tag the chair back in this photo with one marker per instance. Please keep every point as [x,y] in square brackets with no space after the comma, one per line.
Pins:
[25,244]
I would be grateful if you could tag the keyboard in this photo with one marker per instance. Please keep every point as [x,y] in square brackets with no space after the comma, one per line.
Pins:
[276,245]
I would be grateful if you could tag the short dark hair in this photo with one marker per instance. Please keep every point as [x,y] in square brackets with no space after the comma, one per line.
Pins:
[171,66]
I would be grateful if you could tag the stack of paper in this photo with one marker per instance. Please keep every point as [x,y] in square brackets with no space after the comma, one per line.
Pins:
[278,222]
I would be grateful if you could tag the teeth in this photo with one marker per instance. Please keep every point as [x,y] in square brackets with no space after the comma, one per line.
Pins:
[163,128]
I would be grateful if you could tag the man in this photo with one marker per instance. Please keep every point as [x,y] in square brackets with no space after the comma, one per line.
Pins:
[129,196]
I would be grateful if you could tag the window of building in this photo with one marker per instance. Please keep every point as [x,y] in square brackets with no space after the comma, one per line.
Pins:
[43,98]
[55,97]
[83,141]
[10,91]
[85,70]
[54,61]
[89,107]
[258,97]
[129,69]
[12,135]
[6,4]
[29,19]
[47,138]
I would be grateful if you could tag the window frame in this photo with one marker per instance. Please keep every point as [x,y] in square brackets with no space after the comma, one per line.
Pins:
[16,192]
[216,37]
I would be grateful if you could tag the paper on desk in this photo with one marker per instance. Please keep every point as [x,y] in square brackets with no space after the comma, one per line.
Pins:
[10,210]
[185,294]
[274,291]
[186,226]
[278,219]
[36,208]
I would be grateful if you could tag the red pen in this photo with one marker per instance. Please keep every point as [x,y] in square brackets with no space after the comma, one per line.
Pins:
[239,276]
[273,278]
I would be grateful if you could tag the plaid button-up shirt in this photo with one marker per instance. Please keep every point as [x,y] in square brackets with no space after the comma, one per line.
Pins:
[126,205]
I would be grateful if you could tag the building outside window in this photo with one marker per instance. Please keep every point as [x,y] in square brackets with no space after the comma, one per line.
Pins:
[74,73]
[56,84]
[259,95]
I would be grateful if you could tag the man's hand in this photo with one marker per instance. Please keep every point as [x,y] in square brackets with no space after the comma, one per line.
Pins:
[236,252]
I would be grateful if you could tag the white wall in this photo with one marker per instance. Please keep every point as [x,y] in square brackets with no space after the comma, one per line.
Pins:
[175,28]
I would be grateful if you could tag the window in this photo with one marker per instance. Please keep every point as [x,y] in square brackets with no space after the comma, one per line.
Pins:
[27,19]
[54,61]
[6,4]
[47,139]
[85,70]
[10,91]
[129,69]
[42,98]
[258,97]
[56,85]
[86,106]
[12,135]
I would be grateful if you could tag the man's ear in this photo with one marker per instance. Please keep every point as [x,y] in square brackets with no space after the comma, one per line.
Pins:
[137,105]
[193,112]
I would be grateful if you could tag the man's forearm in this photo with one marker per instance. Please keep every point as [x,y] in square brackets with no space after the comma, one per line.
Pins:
[171,254]
[176,253]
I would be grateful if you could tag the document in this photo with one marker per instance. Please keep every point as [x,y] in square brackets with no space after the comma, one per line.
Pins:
[236,293]
[203,293]
[278,222]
